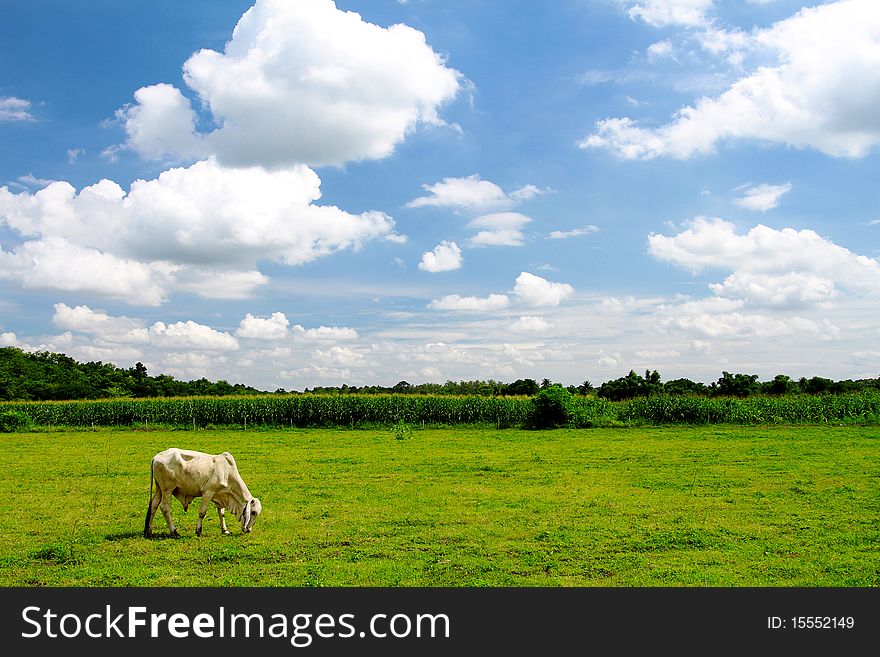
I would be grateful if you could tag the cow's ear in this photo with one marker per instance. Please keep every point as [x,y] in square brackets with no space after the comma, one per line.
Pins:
[247,515]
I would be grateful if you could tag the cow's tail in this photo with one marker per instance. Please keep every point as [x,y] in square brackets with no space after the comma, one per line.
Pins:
[149,503]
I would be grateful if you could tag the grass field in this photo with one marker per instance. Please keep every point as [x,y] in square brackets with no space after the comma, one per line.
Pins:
[672,506]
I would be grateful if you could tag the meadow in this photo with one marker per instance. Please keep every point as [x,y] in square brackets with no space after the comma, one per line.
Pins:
[713,505]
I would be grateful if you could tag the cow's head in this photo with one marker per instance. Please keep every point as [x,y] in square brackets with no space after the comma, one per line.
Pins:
[249,514]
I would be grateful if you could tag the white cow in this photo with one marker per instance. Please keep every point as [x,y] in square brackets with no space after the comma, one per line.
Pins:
[187,474]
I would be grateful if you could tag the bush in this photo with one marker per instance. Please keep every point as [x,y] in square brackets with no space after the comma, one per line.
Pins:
[552,407]
[13,421]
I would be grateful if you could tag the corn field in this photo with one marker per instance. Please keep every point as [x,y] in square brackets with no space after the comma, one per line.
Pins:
[384,410]
[279,411]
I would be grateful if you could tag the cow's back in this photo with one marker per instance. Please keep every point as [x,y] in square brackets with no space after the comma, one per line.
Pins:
[189,471]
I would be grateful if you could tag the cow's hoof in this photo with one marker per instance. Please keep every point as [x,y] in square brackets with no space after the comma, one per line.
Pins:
[225,532]
[198,532]
[148,534]
[175,534]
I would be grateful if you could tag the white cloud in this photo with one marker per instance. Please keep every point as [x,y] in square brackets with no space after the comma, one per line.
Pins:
[749,325]
[499,229]
[769,264]
[190,335]
[472,193]
[259,328]
[531,324]
[161,123]
[83,319]
[446,256]
[15,109]
[8,339]
[218,284]
[660,50]
[208,227]
[657,354]
[773,273]
[661,13]
[54,263]
[536,291]
[763,197]
[767,289]
[340,357]
[97,335]
[30,180]
[531,290]
[479,304]
[577,232]
[822,92]
[326,333]
[298,82]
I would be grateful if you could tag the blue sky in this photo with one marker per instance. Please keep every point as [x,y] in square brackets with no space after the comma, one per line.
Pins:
[299,193]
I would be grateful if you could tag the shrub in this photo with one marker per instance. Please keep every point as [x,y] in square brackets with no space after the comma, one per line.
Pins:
[552,407]
[13,421]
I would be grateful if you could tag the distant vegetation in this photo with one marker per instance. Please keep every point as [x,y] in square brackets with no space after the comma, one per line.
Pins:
[43,376]
[549,408]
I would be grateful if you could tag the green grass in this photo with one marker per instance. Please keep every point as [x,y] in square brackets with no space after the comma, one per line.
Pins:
[706,506]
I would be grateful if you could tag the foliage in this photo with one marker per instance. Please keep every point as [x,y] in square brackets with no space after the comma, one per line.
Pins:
[44,375]
[632,385]
[13,421]
[402,431]
[738,385]
[552,407]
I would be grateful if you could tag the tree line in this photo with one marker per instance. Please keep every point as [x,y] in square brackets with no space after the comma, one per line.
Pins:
[43,375]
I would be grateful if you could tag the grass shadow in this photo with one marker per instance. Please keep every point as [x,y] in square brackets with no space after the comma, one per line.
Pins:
[123,536]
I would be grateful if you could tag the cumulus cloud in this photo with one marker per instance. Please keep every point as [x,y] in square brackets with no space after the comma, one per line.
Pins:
[161,124]
[8,339]
[109,332]
[446,256]
[15,109]
[530,290]
[662,13]
[750,325]
[773,273]
[660,50]
[821,92]
[536,291]
[202,229]
[190,335]
[339,357]
[56,264]
[499,229]
[769,264]
[530,324]
[260,328]
[472,193]
[298,82]
[762,197]
[326,333]
[478,304]
[576,232]
[83,319]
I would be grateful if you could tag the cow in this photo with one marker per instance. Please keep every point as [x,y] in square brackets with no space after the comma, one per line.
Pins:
[187,474]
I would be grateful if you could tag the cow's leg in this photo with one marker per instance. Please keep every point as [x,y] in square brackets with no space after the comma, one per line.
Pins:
[203,509]
[222,513]
[151,511]
[165,505]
